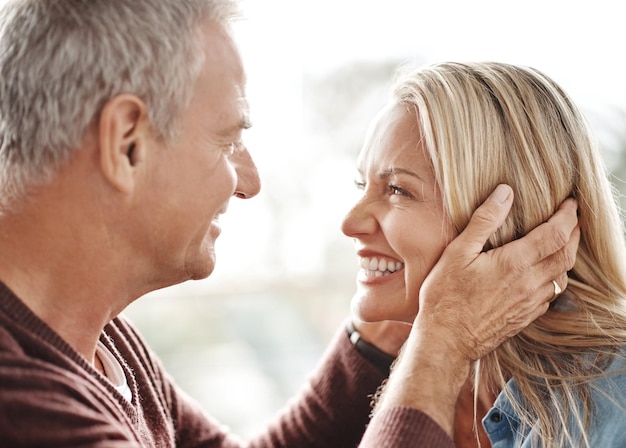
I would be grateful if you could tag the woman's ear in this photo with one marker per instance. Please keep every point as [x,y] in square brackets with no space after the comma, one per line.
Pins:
[122,136]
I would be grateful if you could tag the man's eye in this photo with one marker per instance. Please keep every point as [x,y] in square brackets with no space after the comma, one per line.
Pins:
[230,148]
[360,185]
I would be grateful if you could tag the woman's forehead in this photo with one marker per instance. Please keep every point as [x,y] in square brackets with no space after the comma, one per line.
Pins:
[394,135]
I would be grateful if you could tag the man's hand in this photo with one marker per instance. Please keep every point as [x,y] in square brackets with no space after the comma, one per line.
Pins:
[472,301]
[479,299]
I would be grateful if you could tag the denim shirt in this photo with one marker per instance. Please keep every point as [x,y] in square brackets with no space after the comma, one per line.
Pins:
[607,426]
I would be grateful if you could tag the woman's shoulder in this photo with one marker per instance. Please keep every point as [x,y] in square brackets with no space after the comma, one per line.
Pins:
[612,378]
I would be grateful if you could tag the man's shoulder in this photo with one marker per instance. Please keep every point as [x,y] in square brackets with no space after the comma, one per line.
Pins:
[44,395]
[41,401]
[24,366]
[33,389]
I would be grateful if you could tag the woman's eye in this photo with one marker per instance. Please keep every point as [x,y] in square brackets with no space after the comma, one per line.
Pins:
[398,191]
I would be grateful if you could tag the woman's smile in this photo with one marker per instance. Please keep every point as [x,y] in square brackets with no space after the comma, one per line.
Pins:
[377,269]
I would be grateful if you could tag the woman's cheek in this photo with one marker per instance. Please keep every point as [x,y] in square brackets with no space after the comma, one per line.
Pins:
[417,267]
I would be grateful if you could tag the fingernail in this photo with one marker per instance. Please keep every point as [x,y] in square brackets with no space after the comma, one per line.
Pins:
[500,194]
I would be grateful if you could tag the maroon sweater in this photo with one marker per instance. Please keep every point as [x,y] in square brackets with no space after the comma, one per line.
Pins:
[51,397]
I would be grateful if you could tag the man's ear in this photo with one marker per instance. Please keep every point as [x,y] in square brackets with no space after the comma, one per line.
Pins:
[122,137]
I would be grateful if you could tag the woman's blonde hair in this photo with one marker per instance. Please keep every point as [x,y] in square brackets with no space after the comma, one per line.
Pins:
[490,123]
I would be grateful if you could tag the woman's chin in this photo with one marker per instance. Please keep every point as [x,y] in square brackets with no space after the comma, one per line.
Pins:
[368,309]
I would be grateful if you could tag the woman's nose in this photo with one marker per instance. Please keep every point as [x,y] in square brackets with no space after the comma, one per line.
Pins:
[360,220]
[248,181]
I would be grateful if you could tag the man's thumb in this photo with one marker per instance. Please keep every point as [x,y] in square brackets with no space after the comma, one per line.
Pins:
[486,219]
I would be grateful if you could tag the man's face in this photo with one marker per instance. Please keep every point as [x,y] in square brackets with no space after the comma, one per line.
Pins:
[193,177]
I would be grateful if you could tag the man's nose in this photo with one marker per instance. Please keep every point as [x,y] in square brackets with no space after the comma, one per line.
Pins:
[248,181]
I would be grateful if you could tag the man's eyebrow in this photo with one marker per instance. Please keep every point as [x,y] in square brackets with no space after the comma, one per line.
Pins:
[245,123]
[242,125]
[393,170]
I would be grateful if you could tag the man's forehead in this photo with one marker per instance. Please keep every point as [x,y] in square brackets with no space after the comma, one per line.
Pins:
[243,104]
[238,120]
[244,111]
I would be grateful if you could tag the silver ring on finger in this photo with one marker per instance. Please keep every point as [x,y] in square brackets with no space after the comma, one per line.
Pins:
[557,290]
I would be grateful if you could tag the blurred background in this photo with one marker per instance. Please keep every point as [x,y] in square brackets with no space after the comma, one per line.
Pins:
[243,341]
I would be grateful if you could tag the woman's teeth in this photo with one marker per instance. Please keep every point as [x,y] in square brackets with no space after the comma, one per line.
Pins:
[379,266]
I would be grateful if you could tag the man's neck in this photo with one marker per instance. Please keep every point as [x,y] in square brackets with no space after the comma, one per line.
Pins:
[66,277]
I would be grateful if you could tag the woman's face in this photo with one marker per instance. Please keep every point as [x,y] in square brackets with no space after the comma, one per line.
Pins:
[398,224]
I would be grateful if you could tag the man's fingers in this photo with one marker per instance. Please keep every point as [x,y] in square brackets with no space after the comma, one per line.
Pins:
[538,304]
[485,220]
[556,265]
[537,279]
[523,321]
[558,231]
[544,274]
[561,282]
[548,238]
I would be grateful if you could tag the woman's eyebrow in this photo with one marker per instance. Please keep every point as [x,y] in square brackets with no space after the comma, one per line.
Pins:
[393,170]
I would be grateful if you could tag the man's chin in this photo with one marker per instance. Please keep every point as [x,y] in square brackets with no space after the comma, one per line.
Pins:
[201,269]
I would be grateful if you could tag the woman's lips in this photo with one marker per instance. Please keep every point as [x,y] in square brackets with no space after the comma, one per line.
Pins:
[376,269]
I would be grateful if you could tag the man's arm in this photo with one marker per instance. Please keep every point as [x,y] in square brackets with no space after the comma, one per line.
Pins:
[471,302]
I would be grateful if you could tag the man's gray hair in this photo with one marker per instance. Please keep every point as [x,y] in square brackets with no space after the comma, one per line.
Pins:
[62,60]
